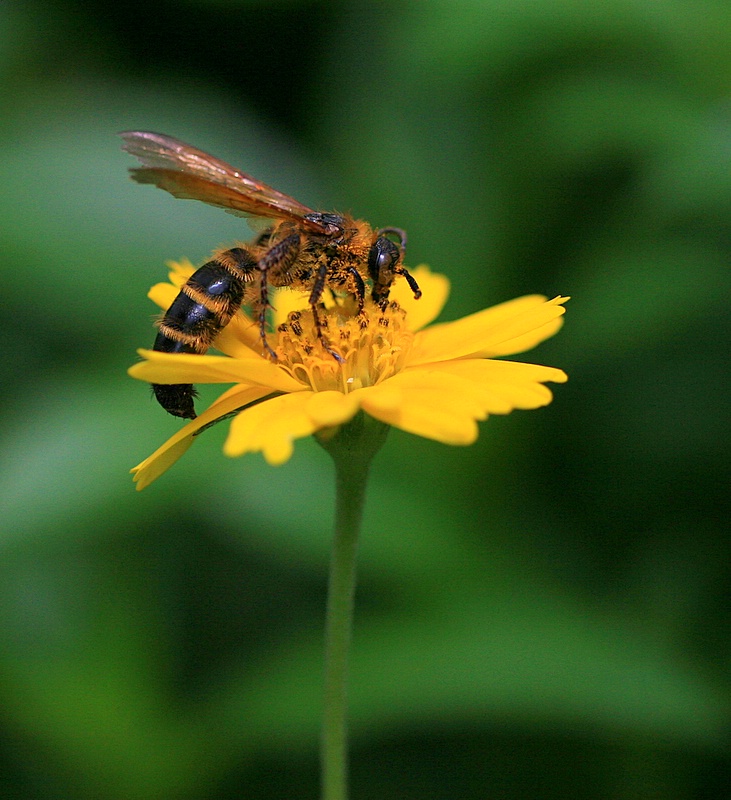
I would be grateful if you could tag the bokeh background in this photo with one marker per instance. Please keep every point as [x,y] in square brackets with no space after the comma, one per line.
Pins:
[544,614]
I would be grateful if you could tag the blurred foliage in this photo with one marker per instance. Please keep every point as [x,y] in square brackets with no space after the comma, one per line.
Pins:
[544,614]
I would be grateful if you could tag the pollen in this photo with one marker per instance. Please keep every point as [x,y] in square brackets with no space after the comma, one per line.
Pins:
[357,349]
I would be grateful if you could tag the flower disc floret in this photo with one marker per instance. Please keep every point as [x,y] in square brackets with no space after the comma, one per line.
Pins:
[366,348]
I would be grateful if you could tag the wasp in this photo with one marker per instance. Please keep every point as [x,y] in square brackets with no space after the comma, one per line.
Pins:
[301,248]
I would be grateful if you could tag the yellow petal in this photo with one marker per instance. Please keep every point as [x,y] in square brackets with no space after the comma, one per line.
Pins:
[160,461]
[193,368]
[163,294]
[504,385]
[435,405]
[524,341]
[271,427]
[434,293]
[180,271]
[286,300]
[327,409]
[165,456]
[500,330]
[240,338]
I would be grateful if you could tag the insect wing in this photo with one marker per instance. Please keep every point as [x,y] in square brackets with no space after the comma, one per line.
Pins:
[191,174]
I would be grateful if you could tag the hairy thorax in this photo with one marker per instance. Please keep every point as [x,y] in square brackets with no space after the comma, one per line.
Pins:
[319,256]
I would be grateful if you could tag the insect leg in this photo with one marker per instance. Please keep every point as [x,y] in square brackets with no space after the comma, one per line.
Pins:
[274,265]
[360,289]
[413,285]
[315,297]
[360,293]
[205,305]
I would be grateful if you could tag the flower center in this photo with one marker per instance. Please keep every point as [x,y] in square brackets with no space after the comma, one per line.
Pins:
[356,349]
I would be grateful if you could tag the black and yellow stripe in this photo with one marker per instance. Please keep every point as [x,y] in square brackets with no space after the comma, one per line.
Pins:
[205,305]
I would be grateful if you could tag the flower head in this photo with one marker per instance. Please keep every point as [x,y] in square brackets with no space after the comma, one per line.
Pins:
[436,381]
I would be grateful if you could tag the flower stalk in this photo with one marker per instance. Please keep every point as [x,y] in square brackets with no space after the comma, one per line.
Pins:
[352,449]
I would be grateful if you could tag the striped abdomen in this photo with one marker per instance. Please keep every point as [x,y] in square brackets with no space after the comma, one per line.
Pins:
[205,305]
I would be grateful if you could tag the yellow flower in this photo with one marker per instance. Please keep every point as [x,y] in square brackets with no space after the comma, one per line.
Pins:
[433,381]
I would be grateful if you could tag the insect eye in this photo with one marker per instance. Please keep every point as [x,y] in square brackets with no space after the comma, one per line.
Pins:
[382,259]
[386,260]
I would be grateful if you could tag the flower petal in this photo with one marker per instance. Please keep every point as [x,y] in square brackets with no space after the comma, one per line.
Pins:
[524,341]
[161,460]
[180,271]
[271,427]
[501,330]
[163,294]
[434,292]
[165,456]
[431,404]
[194,368]
[504,385]
[286,300]
[240,338]
[327,409]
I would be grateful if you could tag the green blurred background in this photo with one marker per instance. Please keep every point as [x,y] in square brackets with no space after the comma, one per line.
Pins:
[542,615]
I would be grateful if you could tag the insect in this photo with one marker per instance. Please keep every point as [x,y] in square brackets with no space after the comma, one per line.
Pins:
[302,248]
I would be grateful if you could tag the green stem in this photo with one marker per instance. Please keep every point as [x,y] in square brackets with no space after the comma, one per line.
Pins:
[352,449]
[338,630]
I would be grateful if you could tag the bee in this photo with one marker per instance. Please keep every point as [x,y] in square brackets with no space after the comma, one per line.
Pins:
[301,248]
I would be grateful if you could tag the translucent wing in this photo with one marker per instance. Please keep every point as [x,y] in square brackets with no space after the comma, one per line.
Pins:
[191,174]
